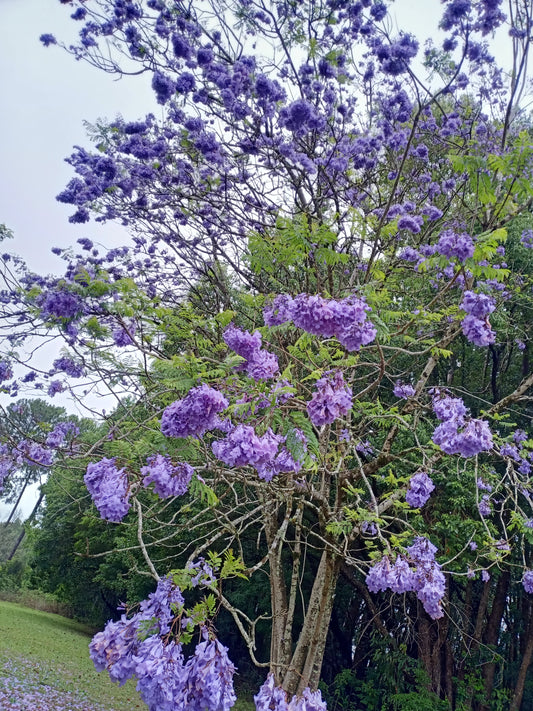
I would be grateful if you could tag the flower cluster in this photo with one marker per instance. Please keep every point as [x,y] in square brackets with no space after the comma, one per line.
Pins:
[345,319]
[195,414]
[109,489]
[403,390]
[419,491]
[259,364]
[418,572]
[458,434]
[57,437]
[451,245]
[332,399]
[68,366]
[243,447]
[168,479]
[476,326]
[518,453]
[271,697]
[527,581]
[6,371]
[142,647]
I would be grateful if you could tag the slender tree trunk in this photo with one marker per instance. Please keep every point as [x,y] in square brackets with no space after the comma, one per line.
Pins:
[306,663]
[23,532]
[516,701]
[492,633]
[13,510]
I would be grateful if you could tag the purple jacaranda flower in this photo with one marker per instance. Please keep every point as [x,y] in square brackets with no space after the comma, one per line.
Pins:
[419,490]
[195,414]
[331,400]
[403,390]
[109,489]
[169,479]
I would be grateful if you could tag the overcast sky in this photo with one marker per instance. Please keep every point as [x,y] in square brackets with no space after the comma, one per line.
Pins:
[47,96]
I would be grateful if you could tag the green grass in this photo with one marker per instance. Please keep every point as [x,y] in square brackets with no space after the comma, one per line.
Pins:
[54,651]
[58,650]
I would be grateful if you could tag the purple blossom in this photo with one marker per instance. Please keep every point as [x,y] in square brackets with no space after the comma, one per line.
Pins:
[527,581]
[346,319]
[6,371]
[403,390]
[259,364]
[484,506]
[448,408]
[163,86]
[195,414]
[123,336]
[419,491]
[56,438]
[68,366]
[331,400]
[243,447]
[55,387]
[168,479]
[109,489]
[451,245]
[527,239]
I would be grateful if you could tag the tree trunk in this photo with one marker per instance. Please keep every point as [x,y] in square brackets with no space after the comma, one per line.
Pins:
[492,633]
[306,663]
[516,701]
[23,532]
[19,497]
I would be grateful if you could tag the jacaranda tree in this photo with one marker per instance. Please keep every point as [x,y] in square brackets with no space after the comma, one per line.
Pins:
[316,341]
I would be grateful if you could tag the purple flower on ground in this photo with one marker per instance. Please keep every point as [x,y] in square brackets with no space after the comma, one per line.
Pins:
[527,239]
[109,489]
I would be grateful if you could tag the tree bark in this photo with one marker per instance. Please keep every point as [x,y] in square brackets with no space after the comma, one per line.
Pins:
[23,532]
[516,701]
[306,663]
[492,633]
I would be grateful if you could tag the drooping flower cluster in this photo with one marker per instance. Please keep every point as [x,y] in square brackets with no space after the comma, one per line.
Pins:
[109,489]
[345,319]
[168,479]
[273,698]
[195,414]
[418,572]
[142,647]
[476,326]
[332,399]
[266,453]
[259,363]
[458,434]
[419,490]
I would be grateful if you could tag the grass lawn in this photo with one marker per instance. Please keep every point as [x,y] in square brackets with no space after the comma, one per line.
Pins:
[49,656]
[45,666]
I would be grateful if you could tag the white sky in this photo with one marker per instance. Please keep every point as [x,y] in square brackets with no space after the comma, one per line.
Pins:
[46,97]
